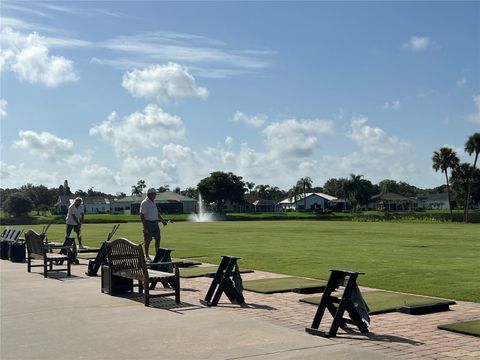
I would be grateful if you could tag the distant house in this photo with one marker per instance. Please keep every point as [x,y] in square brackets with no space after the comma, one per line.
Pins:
[253,203]
[123,205]
[391,202]
[62,204]
[168,202]
[433,201]
[91,204]
[311,201]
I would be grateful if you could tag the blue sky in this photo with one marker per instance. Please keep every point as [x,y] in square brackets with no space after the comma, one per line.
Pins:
[106,93]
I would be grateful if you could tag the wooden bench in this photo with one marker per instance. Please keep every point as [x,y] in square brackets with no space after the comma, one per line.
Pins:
[127,260]
[38,250]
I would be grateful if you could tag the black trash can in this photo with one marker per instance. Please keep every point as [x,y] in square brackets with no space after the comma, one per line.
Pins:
[4,247]
[16,251]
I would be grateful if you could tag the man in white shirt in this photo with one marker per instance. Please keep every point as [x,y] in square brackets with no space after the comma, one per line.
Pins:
[150,216]
[74,220]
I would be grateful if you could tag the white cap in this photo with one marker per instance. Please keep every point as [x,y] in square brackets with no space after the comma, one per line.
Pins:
[151,191]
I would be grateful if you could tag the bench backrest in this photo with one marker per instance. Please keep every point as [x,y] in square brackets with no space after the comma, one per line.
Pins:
[35,245]
[126,259]
[11,233]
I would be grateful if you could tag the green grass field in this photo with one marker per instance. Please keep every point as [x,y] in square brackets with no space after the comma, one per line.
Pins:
[435,259]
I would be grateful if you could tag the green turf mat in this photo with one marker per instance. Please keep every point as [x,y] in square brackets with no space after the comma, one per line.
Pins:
[384,301]
[465,327]
[87,256]
[198,271]
[284,284]
[187,262]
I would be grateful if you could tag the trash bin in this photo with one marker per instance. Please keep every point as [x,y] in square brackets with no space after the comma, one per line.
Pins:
[4,246]
[16,251]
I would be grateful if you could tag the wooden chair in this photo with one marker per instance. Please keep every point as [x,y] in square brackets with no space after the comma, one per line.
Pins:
[127,260]
[37,250]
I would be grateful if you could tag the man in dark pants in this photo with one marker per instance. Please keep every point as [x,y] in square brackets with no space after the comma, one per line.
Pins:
[150,216]
[74,220]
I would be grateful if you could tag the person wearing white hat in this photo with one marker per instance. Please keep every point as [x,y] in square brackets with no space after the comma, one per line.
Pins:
[74,220]
[150,216]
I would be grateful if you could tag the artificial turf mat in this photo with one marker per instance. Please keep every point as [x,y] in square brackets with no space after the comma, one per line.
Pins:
[198,271]
[465,327]
[284,284]
[384,301]
[187,262]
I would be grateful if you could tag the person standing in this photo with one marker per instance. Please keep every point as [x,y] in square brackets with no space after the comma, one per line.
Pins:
[150,216]
[74,220]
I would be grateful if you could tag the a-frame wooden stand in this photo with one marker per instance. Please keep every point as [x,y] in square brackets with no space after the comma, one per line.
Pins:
[227,280]
[351,301]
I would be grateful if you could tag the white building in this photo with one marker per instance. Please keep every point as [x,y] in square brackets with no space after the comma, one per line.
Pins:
[311,201]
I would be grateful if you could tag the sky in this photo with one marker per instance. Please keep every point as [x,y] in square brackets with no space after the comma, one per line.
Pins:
[105,93]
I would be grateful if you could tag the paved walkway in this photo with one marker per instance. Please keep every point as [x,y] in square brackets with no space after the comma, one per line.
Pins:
[96,326]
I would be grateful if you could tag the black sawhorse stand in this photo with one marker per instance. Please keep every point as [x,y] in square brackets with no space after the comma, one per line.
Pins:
[227,280]
[351,301]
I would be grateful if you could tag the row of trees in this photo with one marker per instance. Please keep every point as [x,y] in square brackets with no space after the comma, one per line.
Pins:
[464,176]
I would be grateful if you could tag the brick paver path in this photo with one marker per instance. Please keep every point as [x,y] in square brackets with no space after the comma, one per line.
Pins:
[394,334]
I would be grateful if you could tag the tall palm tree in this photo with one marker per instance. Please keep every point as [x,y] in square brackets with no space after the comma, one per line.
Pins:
[471,146]
[141,185]
[250,186]
[293,194]
[136,190]
[445,159]
[354,187]
[305,184]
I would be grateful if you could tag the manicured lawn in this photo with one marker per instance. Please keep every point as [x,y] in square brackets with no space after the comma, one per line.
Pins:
[435,259]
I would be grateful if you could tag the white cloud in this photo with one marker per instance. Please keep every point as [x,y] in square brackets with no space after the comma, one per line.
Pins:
[379,155]
[148,129]
[374,140]
[228,140]
[10,175]
[417,43]
[255,121]
[475,117]
[98,176]
[28,56]
[461,82]
[45,145]
[295,138]
[168,82]
[392,105]
[204,56]
[3,108]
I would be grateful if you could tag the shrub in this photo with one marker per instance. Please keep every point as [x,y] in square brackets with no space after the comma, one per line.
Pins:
[18,204]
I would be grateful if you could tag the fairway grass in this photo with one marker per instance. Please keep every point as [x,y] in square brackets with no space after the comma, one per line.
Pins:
[433,259]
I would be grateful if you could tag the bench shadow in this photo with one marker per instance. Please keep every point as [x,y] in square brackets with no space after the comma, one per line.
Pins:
[61,276]
[357,335]
[244,306]
[162,303]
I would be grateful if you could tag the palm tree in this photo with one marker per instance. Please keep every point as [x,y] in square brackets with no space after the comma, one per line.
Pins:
[250,186]
[305,183]
[471,146]
[445,159]
[354,187]
[459,180]
[141,185]
[136,190]
[293,193]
